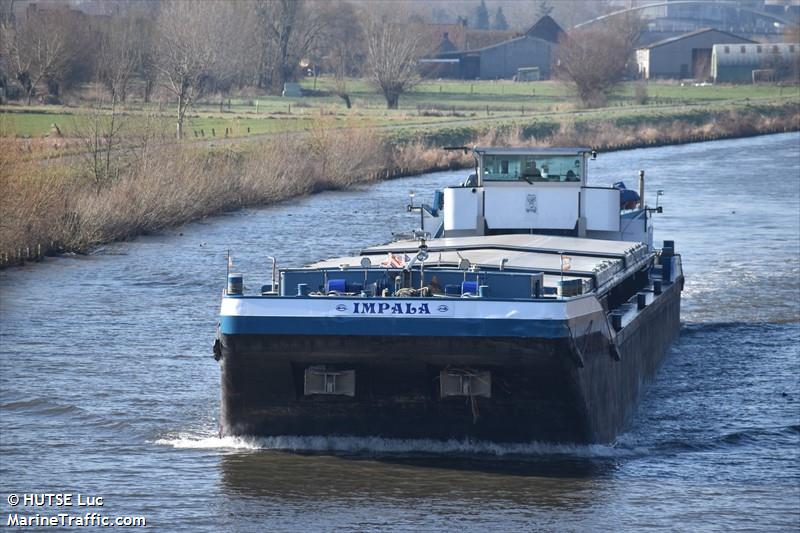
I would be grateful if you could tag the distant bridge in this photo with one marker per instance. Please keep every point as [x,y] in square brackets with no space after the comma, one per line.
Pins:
[729,5]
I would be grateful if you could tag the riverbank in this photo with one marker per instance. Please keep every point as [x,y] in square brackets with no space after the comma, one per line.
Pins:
[72,208]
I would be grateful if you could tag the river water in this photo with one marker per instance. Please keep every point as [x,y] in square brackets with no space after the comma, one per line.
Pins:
[108,387]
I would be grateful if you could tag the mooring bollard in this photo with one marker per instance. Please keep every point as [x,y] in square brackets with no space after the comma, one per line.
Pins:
[657,287]
[616,320]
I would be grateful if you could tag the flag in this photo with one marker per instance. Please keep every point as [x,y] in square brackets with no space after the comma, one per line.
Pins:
[230,261]
[393,261]
[566,262]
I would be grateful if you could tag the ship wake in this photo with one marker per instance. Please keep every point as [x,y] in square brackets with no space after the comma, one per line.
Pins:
[379,446]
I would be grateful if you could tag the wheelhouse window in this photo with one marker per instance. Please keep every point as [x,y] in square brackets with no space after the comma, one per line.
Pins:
[531,168]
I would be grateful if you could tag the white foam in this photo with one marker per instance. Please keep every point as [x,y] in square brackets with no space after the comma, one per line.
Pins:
[211,443]
[379,446]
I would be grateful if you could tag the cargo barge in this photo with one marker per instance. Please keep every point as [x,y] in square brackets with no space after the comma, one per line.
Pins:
[527,306]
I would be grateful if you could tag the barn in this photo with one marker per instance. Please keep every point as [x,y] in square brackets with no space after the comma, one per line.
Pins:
[502,60]
[684,56]
[533,49]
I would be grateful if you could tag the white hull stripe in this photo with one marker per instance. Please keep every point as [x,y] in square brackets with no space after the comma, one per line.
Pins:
[287,307]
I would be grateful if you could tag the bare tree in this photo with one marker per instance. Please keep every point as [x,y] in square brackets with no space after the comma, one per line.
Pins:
[147,71]
[144,138]
[340,48]
[392,53]
[594,60]
[7,10]
[237,59]
[35,49]
[118,57]
[288,29]
[185,53]
[100,136]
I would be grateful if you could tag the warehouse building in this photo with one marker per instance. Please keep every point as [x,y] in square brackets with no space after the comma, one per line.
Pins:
[684,56]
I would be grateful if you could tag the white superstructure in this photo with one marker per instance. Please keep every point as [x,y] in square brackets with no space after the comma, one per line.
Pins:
[538,191]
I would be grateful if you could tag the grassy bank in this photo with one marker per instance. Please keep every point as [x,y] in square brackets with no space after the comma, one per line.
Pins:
[56,208]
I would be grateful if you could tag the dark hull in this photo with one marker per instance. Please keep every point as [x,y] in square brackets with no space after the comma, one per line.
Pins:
[555,390]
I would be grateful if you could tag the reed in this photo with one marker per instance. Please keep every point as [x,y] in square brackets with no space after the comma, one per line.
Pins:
[54,209]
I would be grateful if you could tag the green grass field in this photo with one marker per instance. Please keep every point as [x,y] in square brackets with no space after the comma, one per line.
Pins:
[431,104]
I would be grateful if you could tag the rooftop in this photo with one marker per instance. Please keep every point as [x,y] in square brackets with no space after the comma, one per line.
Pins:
[693,34]
[533,150]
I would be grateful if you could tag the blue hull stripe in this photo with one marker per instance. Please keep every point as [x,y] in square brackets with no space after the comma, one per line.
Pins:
[426,327]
